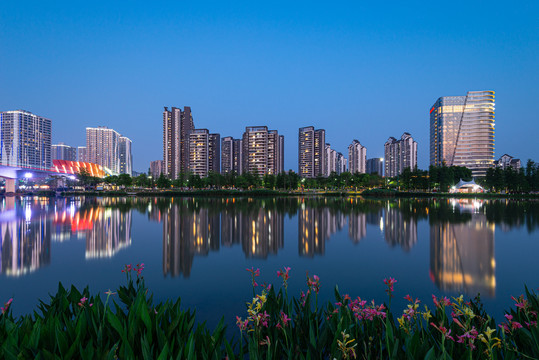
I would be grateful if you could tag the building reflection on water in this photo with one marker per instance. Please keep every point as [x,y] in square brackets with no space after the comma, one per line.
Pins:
[315,226]
[25,235]
[461,232]
[400,229]
[462,252]
[191,229]
[29,225]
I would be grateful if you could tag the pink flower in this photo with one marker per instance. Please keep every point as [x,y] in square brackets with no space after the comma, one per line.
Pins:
[520,303]
[509,317]
[254,273]
[266,341]
[83,301]
[285,319]
[284,274]
[407,297]
[516,325]
[313,283]
[531,323]
[390,282]
[443,301]
[262,319]
[242,325]
[6,305]
[445,332]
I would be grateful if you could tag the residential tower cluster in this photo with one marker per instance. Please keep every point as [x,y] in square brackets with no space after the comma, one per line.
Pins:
[461,133]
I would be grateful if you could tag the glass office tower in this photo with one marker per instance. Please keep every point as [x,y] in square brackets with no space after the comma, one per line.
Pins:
[462,131]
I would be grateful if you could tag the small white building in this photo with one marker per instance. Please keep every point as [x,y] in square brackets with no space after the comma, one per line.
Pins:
[466,187]
[506,161]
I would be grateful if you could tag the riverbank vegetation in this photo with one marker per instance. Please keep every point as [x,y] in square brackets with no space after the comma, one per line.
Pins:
[129,324]
[434,180]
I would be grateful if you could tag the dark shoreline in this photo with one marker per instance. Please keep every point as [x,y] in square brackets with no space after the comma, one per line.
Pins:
[375,193]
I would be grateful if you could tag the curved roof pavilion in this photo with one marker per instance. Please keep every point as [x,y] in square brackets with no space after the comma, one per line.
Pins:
[467,187]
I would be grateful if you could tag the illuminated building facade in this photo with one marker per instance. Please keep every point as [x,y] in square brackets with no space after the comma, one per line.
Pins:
[198,152]
[227,154]
[462,131]
[106,147]
[311,152]
[126,157]
[157,168]
[61,151]
[81,154]
[177,125]
[331,160]
[399,155]
[261,152]
[25,140]
[214,153]
[357,157]
[237,162]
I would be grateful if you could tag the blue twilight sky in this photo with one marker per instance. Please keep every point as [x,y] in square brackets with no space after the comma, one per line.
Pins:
[361,70]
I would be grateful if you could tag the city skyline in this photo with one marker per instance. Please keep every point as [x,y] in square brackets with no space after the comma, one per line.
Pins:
[377,68]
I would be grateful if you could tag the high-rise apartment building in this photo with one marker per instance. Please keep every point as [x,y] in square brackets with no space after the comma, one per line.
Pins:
[157,168]
[281,154]
[375,166]
[103,148]
[331,160]
[275,152]
[399,155]
[126,157]
[227,154]
[342,163]
[25,140]
[214,153]
[61,151]
[82,154]
[177,125]
[462,131]
[311,152]
[237,161]
[199,151]
[357,157]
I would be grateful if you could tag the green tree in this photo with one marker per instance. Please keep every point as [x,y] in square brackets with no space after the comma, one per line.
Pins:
[163,182]
[142,180]
[86,179]
[125,180]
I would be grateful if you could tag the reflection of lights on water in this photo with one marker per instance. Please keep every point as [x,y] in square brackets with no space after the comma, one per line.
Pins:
[28,213]
[72,210]
[381,223]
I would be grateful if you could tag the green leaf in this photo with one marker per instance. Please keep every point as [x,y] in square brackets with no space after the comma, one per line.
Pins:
[164,353]
[431,354]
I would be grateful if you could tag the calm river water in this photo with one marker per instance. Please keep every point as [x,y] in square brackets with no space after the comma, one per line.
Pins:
[199,248]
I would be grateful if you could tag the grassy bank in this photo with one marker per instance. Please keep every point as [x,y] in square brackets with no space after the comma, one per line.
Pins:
[128,324]
[375,193]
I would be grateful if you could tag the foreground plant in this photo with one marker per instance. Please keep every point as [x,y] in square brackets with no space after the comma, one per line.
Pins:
[74,324]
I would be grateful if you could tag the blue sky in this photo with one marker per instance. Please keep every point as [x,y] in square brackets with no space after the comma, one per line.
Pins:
[361,70]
